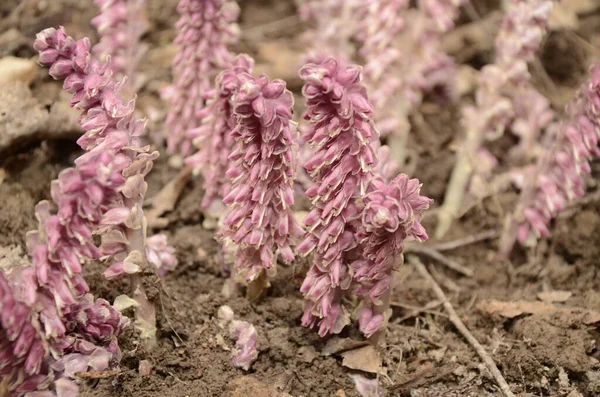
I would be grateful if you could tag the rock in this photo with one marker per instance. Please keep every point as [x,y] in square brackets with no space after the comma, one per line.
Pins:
[23,119]
[17,69]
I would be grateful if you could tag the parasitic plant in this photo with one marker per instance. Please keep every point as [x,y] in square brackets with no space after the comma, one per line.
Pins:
[341,134]
[502,87]
[206,28]
[213,137]
[260,221]
[558,177]
[120,25]
[104,193]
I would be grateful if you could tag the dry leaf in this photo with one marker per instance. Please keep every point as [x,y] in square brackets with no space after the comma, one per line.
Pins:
[165,200]
[514,309]
[337,345]
[554,296]
[365,359]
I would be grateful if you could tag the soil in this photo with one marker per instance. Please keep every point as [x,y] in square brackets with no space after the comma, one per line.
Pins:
[540,354]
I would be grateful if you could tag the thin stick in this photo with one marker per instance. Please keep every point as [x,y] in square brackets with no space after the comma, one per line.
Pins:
[487,360]
[472,239]
[457,267]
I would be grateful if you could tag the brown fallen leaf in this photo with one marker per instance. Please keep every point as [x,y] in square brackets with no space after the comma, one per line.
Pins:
[165,200]
[514,309]
[337,345]
[554,296]
[364,358]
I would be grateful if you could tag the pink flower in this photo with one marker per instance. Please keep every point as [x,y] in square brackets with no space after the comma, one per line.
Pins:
[105,191]
[260,220]
[341,134]
[120,25]
[160,254]
[392,214]
[559,175]
[213,137]
[206,28]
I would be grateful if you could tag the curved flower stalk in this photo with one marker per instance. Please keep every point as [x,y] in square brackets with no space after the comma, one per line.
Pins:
[342,135]
[558,177]
[121,25]
[404,61]
[500,86]
[260,221]
[206,28]
[332,25]
[104,192]
[392,214]
[213,138]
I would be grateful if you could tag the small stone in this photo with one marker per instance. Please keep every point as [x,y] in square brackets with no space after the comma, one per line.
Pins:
[17,69]
[144,368]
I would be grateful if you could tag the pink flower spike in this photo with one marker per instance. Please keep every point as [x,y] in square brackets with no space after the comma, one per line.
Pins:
[206,28]
[336,101]
[105,191]
[261,194]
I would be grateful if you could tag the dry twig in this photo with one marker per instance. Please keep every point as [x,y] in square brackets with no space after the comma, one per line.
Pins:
[471,239]
[456,321]
[432,253]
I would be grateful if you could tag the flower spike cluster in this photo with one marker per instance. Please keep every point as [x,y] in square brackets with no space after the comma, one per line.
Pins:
[260,219]
[120,25]
[213,138]
[392,214]
[206,28]
[342,134]
[559,174]
[404,60]
[104,192]
[503,86]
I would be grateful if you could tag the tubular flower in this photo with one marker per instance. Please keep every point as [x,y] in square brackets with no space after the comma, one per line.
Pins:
[206,28]
[120,25]
[260,218]
[342,134]
[503,85]
[559,174]
[213,138]
[392,214]
[104,192]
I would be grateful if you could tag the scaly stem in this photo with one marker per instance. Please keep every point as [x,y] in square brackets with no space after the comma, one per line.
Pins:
[145,313]
[459,180]
[378,338]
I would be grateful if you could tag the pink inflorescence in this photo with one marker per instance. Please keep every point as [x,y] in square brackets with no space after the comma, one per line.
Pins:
[214,138]
[560,173]
[404,59]
[260,218]
[341,133]
[206,28]
[392,214]
[104,191]
[120,25]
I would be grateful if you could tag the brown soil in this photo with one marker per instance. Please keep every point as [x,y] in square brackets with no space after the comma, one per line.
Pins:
[540,355]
